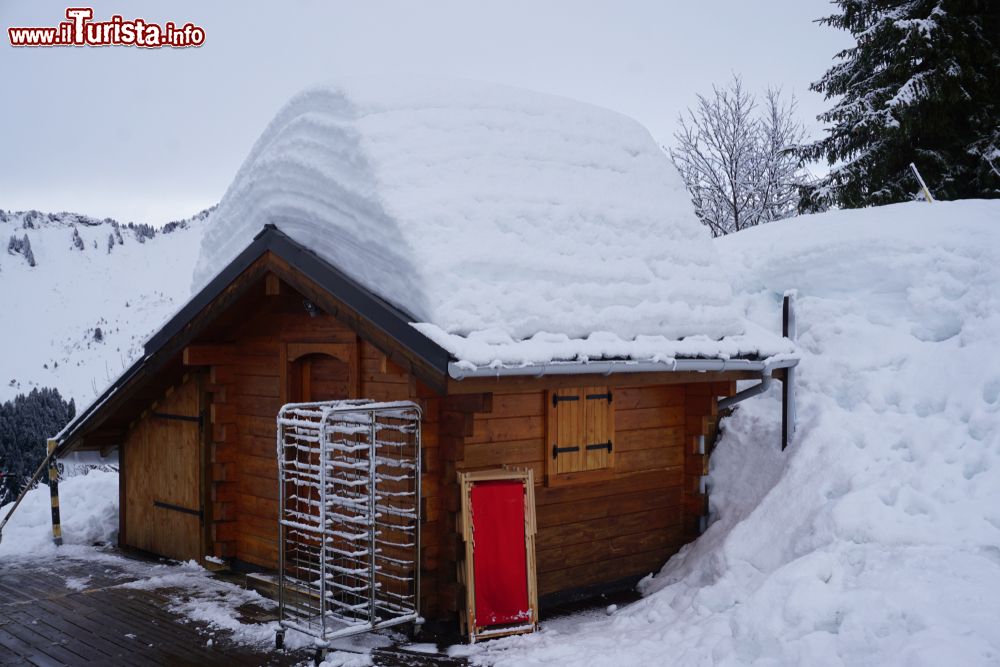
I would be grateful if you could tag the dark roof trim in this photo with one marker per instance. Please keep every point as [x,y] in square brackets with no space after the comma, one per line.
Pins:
[390,319]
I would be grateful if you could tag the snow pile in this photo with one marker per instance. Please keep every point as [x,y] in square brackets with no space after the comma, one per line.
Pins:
[88,506]
[874,538]
[487,213]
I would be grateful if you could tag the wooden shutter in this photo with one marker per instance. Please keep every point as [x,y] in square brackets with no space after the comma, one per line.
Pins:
[600,427]
[567,412]
[580,434]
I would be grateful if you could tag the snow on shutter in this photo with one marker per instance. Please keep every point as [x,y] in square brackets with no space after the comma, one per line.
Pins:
[580,432]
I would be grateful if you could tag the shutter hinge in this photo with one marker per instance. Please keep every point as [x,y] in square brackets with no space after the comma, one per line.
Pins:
[600,445]
[556,451]
[556,398]
[598,397]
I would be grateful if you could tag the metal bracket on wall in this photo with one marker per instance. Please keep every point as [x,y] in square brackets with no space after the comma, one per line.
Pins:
[177,508]
[184,418]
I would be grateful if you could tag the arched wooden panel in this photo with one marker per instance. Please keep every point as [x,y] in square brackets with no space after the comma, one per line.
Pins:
[319,377]
[321,372]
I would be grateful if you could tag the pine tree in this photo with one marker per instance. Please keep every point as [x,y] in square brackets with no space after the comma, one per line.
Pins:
[25,424]
[921,85]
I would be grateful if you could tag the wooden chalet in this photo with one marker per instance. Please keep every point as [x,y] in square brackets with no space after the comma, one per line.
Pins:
[194,424]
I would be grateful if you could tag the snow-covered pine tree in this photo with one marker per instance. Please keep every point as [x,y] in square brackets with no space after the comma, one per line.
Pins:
[25,423]
[922,85]
[21,247]
[77,241]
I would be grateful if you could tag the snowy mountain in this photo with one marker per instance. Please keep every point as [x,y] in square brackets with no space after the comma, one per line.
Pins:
[80,296]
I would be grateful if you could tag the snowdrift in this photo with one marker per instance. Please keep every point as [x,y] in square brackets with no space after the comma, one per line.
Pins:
[874,538]
[88,511]
[490,215]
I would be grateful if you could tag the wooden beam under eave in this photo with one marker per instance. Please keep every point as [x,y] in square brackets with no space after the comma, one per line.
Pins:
[209,354]
[272,285]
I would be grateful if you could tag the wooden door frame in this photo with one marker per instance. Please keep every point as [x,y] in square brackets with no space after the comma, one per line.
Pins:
[205,459]
[290,352]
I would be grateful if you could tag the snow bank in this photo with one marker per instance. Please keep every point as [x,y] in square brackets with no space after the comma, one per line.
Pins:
[484,212]
[874,538]
[88,507]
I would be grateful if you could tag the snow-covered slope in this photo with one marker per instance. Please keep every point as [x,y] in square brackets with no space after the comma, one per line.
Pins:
[123,280]
[490,214]
[875,539]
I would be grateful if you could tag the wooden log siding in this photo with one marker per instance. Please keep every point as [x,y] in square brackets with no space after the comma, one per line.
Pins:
[701,421]
[249,381]
[161,475]
[588,533]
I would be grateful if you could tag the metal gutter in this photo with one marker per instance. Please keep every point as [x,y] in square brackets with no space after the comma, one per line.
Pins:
[458,371]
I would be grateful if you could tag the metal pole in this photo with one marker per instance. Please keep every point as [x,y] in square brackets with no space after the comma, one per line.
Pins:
[281,512]
[322,521]
[417,514]
[923,186]
[373,452]
[788,330]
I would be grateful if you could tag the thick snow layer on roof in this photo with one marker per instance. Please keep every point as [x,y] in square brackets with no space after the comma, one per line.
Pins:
[485,212]
[871,540]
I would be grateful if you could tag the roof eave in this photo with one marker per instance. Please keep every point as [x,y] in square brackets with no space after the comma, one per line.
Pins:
[458,371]
[390,320]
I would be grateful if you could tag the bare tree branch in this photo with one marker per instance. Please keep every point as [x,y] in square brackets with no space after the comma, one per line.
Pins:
[736,159]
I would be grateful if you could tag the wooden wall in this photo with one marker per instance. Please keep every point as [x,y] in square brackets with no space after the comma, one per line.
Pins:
[249,382]
[161,463]
[630,524]
[588,533]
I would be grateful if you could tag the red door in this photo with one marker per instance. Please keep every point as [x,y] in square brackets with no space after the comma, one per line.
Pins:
[500,560]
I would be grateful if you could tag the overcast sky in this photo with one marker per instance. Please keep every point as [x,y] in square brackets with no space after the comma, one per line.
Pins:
[155,135]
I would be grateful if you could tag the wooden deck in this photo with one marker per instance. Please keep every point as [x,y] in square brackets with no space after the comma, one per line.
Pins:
[71,611]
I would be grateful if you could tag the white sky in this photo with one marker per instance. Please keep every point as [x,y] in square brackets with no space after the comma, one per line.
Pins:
[156,135]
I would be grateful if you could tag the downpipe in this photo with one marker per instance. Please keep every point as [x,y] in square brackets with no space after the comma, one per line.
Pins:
[765,383]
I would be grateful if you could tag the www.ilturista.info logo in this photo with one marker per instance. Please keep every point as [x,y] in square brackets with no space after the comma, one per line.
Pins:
[79,30]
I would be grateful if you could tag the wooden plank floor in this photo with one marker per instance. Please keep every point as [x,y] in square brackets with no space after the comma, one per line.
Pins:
[71,611]
[44,622]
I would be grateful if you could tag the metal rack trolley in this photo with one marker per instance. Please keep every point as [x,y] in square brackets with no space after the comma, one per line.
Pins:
[349,518]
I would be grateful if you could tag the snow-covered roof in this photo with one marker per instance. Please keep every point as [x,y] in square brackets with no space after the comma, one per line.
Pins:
[514,227]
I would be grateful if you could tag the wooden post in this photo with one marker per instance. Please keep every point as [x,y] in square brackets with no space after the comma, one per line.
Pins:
[54,492]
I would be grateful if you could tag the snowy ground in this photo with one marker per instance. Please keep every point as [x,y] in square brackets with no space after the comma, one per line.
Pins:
[874,539]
